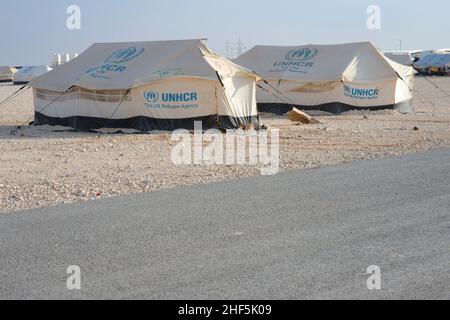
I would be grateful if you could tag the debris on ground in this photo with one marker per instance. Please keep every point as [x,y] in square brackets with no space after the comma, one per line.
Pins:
[300,117]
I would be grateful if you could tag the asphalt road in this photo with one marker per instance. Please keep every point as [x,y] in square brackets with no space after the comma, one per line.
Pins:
[298,235]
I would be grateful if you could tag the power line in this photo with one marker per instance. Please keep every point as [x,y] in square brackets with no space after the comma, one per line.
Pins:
[234,51]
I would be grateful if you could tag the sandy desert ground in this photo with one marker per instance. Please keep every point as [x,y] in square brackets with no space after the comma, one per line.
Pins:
[42,167]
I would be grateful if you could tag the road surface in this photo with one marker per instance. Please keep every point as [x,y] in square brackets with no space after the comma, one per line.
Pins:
[308,234]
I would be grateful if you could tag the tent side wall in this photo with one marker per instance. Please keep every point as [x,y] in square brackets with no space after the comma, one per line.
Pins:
[334,97]
[163,105]
[168,104]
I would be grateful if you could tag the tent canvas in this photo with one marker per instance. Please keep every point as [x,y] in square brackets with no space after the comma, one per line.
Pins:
[332,78]
[160,85]
[28,73]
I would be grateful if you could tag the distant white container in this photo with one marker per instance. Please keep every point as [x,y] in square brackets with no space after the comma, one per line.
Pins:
[62,58]
[57,61]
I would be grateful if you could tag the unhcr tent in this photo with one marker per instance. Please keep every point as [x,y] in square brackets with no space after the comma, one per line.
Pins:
[146,86]
[434,63]
[6,74]
[333,78]
[28,73]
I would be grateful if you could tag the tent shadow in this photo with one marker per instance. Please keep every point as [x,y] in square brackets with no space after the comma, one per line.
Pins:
[13,132]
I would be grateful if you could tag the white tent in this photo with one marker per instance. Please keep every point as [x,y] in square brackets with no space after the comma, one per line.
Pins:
[434,63]
[333,78]
[420,54]
[162,85]
[28,73]
[6,74]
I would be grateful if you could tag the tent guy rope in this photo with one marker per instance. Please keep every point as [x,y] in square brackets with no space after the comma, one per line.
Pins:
[15,94]
[13,132]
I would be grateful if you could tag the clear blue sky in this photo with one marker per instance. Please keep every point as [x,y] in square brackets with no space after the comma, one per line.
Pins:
[33,30]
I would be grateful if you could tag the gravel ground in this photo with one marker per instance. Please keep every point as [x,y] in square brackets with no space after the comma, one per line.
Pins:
[40,167]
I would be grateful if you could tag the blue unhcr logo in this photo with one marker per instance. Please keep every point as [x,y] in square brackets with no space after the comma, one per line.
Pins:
[302,54]
[361,93]
[180,97]
[296,61]
[114,63]
[151,96]
[125,55]
[173,101]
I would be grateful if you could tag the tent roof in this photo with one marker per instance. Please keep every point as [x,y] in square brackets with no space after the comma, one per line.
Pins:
[131,64]
[33,69]
[410,52]
[356,62]
[404,58]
